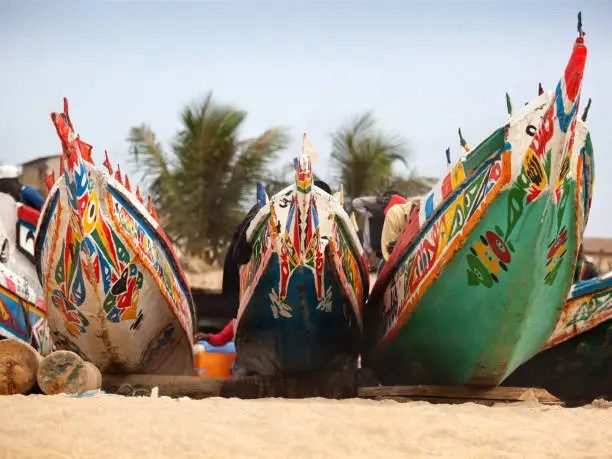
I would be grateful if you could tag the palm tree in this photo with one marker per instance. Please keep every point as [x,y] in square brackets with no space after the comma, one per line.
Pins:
[363,157]
[201,189]
[410,186]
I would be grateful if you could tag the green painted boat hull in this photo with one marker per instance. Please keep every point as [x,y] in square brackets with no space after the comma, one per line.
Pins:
[477,334]
[478,279]
[575,364]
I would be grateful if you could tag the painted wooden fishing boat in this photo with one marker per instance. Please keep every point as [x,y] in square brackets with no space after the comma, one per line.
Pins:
[478,278]
[575,364]
[23,313]
[302,292]
[116,293]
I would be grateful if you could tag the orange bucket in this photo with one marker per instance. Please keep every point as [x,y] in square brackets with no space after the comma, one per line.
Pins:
[213,362]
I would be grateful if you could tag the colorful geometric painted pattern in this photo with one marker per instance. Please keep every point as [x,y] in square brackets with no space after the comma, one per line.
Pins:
[23,313]
[581,314]
[445,219]
[301,245]
[98,244]
[440,242]
[141,238]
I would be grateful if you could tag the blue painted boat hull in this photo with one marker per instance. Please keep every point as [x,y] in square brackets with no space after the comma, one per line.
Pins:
[312,339]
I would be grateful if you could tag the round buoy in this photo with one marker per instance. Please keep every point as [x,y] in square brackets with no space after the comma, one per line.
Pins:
[19,364]
[66,372]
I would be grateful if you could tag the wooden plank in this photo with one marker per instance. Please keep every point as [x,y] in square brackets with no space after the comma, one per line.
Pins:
[171,386]
[330,385]
[460,393]
[326,384]
[336,384]
[445,400]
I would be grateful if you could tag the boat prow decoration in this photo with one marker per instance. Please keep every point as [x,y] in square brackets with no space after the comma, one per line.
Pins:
[116,291]
[477,281]
[302,292]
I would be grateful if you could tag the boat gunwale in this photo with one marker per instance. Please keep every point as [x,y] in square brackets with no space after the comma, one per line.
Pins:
[386,274]
[170,255]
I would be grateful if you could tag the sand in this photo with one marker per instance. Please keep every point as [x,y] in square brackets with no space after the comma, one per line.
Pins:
[110,426]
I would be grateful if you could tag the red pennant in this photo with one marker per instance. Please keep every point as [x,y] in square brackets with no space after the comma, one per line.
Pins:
[85,150]
[50,180]
[149,205]
[138,195]
[107,163]
[66,113]
[118,175]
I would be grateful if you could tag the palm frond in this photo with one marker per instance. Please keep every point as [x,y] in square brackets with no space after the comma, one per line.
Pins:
[202,187]
[362,157]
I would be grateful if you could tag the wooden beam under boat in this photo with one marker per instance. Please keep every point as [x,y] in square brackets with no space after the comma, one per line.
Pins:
[460,394]
[168,385]
[330,385]
[339,385]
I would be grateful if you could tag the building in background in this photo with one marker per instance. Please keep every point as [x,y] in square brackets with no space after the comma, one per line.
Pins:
[598,251]
[33,172]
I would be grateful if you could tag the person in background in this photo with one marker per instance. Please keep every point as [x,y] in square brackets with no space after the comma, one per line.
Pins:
[396,216]
[368,207]
[324,186]
[584,268]
[218,339]
[373,209]
[9,184]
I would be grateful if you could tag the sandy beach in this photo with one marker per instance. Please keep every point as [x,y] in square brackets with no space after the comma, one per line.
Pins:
[137,427]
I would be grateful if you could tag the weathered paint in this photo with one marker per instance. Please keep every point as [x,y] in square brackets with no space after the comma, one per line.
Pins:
[116,293]
[480,274]
[576,361]
[23,314]
[302,292]
[589,304]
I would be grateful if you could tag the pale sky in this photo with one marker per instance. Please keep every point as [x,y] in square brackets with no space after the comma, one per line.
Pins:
[425,68]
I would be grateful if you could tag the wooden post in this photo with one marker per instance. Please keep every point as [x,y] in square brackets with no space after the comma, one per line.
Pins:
[19,364]
[66,372]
